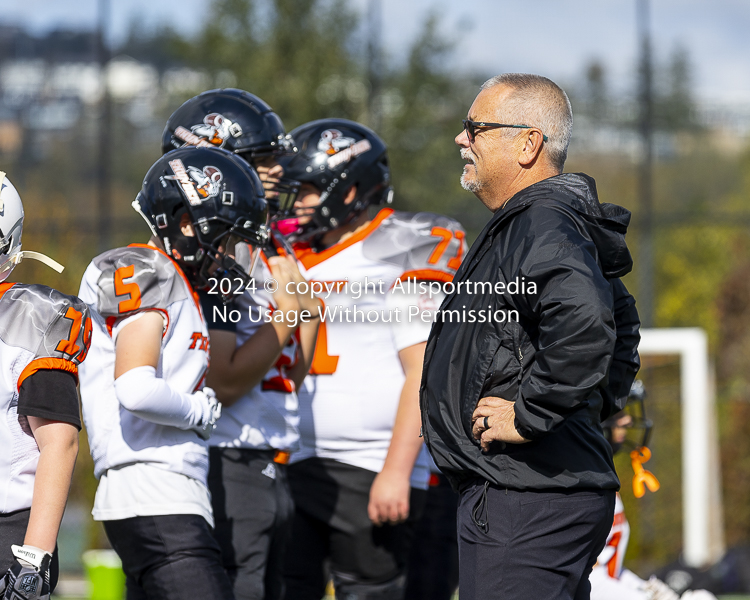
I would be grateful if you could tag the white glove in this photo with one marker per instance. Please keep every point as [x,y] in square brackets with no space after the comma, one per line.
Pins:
[211,412]
[697,595]
[631,580]
[28,576]
[658,590]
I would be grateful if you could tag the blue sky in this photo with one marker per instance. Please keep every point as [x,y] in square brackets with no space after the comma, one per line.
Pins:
[551,37]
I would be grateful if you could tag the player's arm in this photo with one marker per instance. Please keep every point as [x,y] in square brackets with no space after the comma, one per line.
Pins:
[58,449]
[308,335]
[389,494]
[48,398]
[235,370]
[308,330]
[140,391]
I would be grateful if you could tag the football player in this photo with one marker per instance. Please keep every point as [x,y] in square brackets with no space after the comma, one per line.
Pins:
[258,362]
[359,478]
[630,430]
[145,406]
[44,337]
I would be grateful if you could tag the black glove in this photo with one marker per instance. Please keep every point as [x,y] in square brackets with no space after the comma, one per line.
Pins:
[28,576]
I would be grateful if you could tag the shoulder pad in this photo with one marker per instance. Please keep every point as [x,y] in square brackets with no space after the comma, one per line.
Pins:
[424,245]
[137,278]
[46,322]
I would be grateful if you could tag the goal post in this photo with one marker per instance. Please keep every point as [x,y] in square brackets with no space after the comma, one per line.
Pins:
[702,514]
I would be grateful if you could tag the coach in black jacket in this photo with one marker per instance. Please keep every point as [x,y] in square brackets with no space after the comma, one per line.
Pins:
[511,408]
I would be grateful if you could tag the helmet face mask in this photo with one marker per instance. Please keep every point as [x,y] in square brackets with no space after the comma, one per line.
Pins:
[202,204]
[11,228]
[241,123]
[281,192]
[630,428]
[334,156]
[233,254]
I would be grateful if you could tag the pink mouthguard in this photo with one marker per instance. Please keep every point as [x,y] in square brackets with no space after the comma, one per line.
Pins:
[287,226]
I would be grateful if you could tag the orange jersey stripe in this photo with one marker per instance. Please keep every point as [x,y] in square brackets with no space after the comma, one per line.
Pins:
[427,275]
[59,364]
[309,258]
[4,287]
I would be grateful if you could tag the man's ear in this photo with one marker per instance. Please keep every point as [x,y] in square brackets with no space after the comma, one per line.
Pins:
[532,148]
[350,195]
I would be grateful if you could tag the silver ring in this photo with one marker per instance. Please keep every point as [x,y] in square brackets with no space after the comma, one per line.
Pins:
[486,423]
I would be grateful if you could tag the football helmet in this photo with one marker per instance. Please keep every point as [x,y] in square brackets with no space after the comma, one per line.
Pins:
[221,197]
[240,123]
[11,227]
[633,419]
[334,155]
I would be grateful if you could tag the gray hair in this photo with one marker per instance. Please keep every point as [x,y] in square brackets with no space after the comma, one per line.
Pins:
[541,103]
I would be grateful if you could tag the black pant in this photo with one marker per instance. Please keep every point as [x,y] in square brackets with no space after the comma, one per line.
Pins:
[433,561]
[331,525]
[253,512]
[519,545]
[169,557]
[12,532]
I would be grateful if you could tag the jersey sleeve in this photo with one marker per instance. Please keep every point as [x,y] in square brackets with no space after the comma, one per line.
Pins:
[134,280]
[425,246]
[54,329]
[50,394]
[415,313]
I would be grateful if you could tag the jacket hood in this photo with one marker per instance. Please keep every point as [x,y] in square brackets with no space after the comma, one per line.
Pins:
[606,223]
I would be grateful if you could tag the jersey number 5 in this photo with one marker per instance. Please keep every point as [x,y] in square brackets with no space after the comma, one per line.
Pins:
[131,290]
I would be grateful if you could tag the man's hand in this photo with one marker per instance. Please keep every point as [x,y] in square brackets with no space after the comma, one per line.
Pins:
[389,498]
[499,424]
[28,576]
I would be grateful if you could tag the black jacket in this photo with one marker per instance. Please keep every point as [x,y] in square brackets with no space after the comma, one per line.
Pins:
[567,362]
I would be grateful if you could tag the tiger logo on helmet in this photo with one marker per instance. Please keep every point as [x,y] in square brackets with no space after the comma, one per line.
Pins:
[197,183]
[207,180]
[216,129]
[333,141]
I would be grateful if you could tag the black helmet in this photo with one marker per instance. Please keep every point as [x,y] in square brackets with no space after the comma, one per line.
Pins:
[222,198]
[236,121]
[334,155]
[639,426]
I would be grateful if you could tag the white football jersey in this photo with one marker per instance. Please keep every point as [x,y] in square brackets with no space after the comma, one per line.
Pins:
[349,401]
[267,416]
[116,285]
[613,554]
[40,328]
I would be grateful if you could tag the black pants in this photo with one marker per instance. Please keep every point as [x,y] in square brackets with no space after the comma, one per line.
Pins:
[169,557]
[331,527]
[519,545]
[12,532]
[253,513]
[433,561]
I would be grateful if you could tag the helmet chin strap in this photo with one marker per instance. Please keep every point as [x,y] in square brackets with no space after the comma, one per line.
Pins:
[51,263]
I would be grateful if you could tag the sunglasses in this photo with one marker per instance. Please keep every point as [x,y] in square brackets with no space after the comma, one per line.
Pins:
[471,128]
